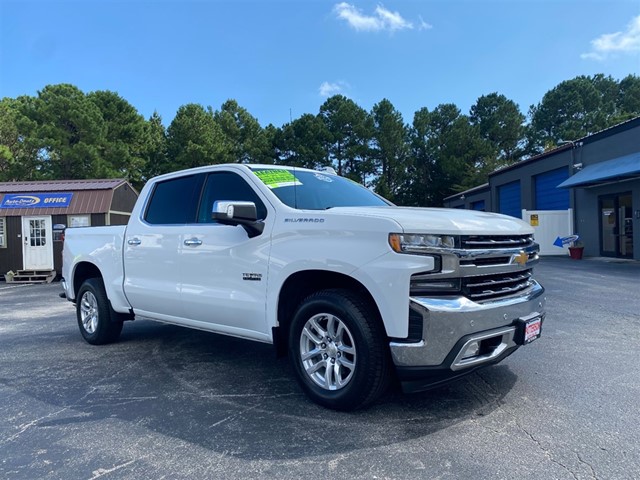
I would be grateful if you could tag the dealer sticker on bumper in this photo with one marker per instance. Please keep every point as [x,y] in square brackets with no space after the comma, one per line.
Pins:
[532,330]
[528,329]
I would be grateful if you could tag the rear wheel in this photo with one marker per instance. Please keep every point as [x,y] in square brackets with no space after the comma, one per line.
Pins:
[338,350]
[97,322]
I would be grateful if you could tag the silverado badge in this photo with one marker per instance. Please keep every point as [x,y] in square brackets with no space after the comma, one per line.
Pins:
[256,277]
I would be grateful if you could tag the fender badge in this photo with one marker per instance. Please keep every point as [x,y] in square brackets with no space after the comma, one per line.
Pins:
[256,277]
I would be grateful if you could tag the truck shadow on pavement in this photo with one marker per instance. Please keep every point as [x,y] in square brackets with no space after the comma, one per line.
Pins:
[233,397]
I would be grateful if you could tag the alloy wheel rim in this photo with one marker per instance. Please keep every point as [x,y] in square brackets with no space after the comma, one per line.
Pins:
[89,312]
[327,351]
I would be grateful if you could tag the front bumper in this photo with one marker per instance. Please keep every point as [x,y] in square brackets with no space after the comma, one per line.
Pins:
[450,325]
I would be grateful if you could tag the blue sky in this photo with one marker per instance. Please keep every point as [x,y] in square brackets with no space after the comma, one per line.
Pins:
[277,57]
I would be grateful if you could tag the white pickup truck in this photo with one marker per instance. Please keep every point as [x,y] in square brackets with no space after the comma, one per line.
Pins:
[355,290]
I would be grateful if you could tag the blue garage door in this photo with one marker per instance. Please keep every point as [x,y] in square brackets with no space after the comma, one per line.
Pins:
[509,199]
[548,197]
[479,205]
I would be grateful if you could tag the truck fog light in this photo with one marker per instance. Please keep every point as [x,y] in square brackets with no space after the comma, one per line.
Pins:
[472,350]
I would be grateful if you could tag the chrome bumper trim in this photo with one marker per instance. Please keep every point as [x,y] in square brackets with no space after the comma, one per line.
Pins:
[507,335]
[448,319]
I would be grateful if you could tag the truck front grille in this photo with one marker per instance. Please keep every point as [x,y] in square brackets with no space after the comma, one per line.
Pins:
[475,242]
[491,287]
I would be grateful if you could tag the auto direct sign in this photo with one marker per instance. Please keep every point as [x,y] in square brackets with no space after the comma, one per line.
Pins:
[36,200]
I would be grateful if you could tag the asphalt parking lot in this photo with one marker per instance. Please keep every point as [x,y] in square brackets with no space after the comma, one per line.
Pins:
[168,402]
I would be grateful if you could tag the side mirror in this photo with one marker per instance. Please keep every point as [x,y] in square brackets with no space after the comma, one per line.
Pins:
[238,213]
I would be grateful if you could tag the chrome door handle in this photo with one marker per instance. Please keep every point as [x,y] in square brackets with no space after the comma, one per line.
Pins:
[134,241]
[193,242]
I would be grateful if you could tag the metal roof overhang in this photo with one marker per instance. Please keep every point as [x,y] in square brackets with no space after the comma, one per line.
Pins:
[82,202]
[618,169]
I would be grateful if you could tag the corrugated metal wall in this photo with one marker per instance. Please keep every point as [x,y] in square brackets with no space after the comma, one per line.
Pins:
[124,198]
[11,257]
[119,219]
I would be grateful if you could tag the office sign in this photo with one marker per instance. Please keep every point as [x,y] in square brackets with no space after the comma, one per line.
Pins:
[36,200]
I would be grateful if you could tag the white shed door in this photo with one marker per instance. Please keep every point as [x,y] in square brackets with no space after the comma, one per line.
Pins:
[37,244]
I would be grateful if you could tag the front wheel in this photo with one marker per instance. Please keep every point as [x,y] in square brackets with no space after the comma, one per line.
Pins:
[338,350]
[95,315]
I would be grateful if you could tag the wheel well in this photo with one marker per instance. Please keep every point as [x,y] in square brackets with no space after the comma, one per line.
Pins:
[302,284]
[83,271]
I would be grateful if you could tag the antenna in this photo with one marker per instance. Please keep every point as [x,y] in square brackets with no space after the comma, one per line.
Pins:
[290,116]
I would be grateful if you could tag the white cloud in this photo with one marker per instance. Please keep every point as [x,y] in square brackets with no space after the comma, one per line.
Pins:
[423,25]
[618,42]
[356,19]
[381,19]
[328,89]
[392,20]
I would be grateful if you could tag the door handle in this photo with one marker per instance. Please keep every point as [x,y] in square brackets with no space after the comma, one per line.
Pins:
[134,241]
[193,242]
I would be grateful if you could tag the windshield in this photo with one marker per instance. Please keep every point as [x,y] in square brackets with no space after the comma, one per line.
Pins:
[316,191]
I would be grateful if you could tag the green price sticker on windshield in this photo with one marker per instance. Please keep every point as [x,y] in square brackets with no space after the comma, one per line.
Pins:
[274,178]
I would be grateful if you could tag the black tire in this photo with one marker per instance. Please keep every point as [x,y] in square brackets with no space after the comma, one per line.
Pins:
[97,321]
[370,375]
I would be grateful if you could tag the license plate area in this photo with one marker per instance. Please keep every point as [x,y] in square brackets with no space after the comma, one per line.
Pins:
[528,329]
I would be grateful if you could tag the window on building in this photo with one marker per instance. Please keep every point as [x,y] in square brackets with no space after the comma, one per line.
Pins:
[79,221]
[3,232]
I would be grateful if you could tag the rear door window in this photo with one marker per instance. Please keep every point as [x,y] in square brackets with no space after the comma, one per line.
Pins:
[175,201]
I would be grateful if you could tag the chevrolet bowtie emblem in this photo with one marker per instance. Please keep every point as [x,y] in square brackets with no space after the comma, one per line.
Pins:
[520,258]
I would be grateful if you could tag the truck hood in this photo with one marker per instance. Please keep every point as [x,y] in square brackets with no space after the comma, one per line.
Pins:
[444,221]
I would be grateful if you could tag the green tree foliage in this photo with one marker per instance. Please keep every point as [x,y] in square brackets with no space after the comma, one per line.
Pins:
[301,143]
[245,137]
[63,133]
[18,150]
[581,106]
[121,149]
[70,130]
[499,122]
[448,153]
[350,130]
[390,151]
[270,133]
[155,148]
[628,99]
[194,139]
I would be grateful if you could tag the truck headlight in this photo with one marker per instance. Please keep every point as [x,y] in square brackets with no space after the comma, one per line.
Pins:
[418,243]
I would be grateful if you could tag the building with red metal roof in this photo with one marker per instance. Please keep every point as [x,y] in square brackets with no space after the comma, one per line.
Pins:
[33,216]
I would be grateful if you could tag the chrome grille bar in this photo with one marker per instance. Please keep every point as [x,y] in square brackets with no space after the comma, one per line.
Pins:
[499,293]
[496,241]
[506,280]
[495,286]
